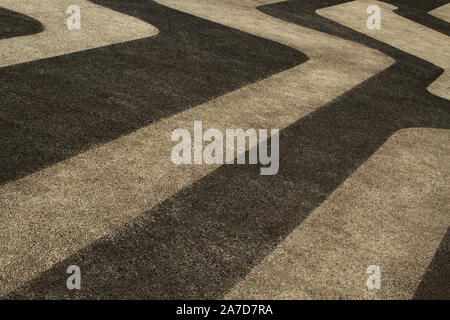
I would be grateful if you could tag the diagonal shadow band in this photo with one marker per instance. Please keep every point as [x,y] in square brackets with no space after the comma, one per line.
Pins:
[418,11]
[435,283]
[424,42]
[68,104]
[200,242]
[14,24]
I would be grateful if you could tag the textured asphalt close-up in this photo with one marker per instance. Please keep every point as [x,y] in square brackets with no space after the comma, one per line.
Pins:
[87,176]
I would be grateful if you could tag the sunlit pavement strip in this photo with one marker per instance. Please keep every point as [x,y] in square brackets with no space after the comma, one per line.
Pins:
[392,212]
[401,33]
[51,214]
[442,13]
[100,27]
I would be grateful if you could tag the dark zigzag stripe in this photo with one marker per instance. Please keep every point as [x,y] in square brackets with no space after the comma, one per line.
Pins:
[435,283]
[417,11]
[203,240]
[53,109]
[14,24]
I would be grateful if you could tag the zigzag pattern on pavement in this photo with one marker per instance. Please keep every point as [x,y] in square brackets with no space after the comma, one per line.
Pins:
[86,176]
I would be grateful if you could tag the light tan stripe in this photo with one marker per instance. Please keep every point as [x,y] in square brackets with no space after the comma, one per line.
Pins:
[401,33]
[392,212]
[51,214]
[99,27]
[442,13]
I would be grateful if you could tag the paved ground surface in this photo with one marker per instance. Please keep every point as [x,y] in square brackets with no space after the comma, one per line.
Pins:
[86,179]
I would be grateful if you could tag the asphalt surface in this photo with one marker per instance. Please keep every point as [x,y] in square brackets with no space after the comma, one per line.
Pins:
[86,177]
